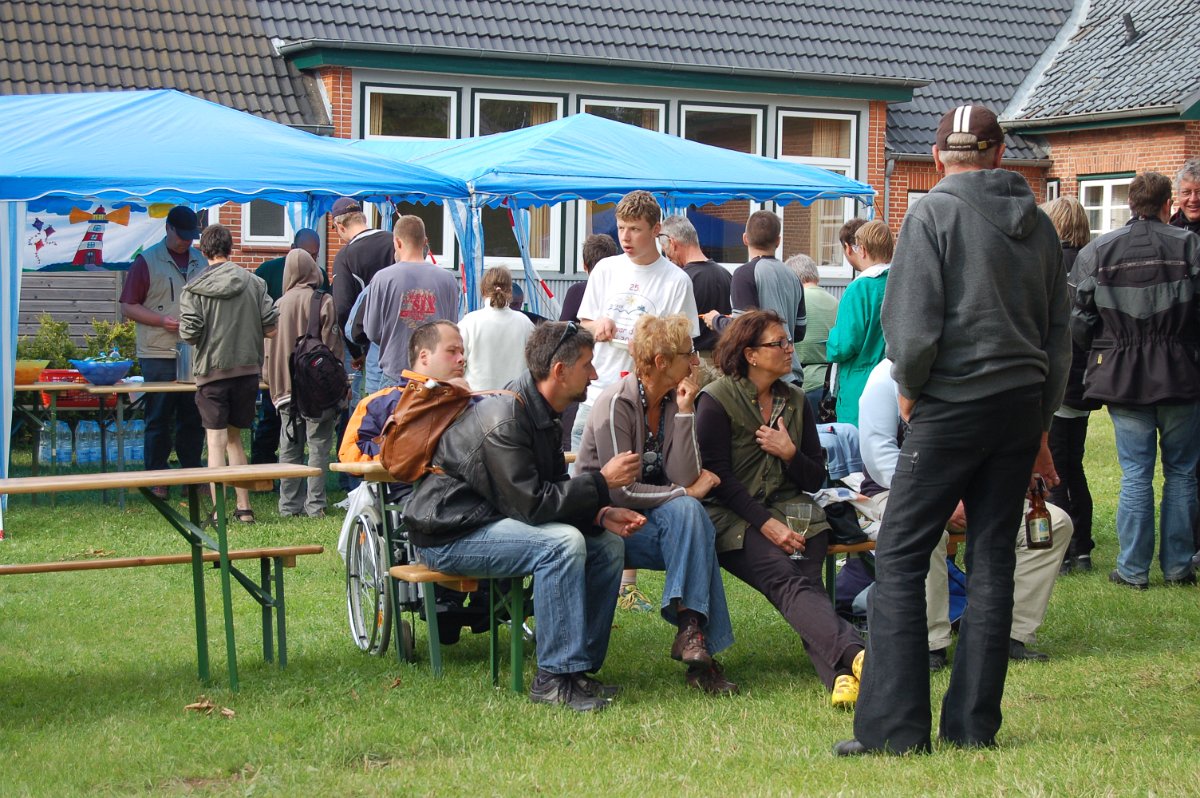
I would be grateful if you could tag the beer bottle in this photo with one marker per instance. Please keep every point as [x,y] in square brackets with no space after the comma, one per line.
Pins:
[1037,520]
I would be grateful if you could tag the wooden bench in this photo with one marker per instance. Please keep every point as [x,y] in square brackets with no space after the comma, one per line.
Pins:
[272,561]
[510,602]
[859,549]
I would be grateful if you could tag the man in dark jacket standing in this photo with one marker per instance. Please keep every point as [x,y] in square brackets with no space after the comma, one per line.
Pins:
[503,505]
[975,317]
[1187,197]
[1136,294]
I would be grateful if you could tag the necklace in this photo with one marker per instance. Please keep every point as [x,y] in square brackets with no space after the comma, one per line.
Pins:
[653,467]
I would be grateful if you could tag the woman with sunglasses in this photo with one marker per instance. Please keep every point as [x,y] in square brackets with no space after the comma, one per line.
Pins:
[758,435]
[650,412]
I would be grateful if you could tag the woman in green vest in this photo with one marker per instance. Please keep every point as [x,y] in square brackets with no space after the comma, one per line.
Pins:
[758,435]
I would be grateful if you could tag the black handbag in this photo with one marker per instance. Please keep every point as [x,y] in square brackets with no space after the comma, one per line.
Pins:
[843,524]
[827,406]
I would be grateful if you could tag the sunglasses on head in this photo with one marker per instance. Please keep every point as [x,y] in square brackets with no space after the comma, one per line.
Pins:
[571,329]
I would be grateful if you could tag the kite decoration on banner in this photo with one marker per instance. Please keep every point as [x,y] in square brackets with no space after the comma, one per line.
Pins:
[67,235]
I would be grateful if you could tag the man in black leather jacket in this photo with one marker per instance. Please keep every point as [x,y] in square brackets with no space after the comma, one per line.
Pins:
[504,505]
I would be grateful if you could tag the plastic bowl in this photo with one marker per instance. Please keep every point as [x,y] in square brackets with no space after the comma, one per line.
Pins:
[28,372]
[98,373]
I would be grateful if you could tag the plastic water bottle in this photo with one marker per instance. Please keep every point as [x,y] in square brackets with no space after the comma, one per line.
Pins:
[110,443]
[87,443]
[137,432]
[63,453]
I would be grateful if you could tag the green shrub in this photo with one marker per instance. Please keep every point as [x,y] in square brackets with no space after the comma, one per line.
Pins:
[109,335]
[52,342]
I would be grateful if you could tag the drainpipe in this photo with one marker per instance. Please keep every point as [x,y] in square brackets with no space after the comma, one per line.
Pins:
[887,185]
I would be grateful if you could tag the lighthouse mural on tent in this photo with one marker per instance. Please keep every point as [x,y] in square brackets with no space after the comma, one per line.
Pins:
[91,248]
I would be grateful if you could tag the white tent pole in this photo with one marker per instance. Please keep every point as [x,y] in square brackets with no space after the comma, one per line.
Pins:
[12,225]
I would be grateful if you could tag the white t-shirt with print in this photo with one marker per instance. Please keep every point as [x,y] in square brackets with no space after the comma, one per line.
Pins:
[623,291]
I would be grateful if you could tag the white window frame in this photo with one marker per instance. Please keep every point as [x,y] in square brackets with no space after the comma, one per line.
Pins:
[285,240]
[847,167]
[755,111]
[556,224]
[1106,207]
[446,257]
[581,207]
[1053,189]
[450,96]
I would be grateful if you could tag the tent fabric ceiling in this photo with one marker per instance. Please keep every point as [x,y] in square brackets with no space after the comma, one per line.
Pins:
[587,157]
[166,146]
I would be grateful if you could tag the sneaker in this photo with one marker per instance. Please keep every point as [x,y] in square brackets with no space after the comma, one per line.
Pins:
[591,686]
[1082,563]
[689,643]
[937,660]
[562,689]
[1068,564]
[1116,578]
[161,491]
[632,599]
[711,679]
[845,692]
[1183,581]
[1020,652]
[856,666]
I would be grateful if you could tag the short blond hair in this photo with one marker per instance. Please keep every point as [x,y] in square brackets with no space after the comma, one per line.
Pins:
[410,230]
[876,239]
[654,335]
[1070,221]
[639,205]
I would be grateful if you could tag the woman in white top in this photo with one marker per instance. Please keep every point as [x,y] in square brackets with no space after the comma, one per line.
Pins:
[494,336]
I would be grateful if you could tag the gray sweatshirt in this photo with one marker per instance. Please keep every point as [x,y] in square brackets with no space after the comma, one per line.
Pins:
[976,302]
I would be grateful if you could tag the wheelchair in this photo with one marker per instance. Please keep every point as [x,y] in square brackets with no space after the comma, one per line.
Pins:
[376,603]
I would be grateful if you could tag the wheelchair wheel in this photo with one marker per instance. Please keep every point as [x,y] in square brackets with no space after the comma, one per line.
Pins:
[407,648]
[367,598]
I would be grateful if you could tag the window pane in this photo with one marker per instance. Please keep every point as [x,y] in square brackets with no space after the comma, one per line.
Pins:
[501,116]
[435,226]
[1119,217]
[414,115]
[500,242]
[1120,194]
[1094,221]
[638,117]
[815,137]
[1093,196]
[728,130]
[813,231]
[266,220]
[720,229]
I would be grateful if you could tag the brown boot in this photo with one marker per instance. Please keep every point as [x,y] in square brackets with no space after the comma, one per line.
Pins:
[689,642]
[711,679]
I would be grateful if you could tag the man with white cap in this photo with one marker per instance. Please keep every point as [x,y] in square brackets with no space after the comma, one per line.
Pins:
[975,316]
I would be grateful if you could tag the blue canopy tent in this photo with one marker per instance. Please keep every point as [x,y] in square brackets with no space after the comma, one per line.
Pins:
[167,147]
[585,157]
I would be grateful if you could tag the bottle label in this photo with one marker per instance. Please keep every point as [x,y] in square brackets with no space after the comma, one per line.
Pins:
[1039,530]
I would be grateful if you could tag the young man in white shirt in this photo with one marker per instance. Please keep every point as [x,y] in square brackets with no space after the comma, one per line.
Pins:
[621,290]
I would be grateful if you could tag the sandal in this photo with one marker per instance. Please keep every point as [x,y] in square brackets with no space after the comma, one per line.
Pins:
[245,516]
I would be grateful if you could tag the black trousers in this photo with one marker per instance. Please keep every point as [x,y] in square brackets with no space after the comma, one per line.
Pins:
[794,588]
[982,453]
[264,445]
[1068,436]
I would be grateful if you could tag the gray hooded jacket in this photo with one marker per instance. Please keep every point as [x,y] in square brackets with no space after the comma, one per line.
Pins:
[224,313]
[976,301]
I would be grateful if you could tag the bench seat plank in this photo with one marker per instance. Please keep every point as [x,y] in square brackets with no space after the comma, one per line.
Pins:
[287,553]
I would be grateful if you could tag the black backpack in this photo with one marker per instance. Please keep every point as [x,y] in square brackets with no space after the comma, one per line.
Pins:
[319,379]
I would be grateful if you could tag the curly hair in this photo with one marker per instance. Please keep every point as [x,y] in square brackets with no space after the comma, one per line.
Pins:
[659,335]
[639,205]
[730,354]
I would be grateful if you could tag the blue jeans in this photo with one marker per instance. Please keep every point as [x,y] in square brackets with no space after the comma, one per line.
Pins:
[1175,429]
[575,582]
[373,377]
[680,539]
[168,413]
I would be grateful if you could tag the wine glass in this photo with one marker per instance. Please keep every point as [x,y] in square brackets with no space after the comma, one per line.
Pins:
[798,516]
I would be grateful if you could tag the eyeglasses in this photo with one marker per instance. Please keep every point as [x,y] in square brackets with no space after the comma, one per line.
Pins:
[663,239]
[783,343]
[571,329]
[688,353]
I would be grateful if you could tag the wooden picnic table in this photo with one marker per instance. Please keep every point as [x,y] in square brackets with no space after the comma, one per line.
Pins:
[190,528]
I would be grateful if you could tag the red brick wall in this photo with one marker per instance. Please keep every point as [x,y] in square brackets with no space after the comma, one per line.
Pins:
[1161,148]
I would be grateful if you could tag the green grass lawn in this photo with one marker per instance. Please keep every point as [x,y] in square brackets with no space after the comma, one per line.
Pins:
[96,669]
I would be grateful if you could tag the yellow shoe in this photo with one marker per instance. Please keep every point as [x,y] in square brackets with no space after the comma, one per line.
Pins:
[856,666]
[845,692]
[632,599]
